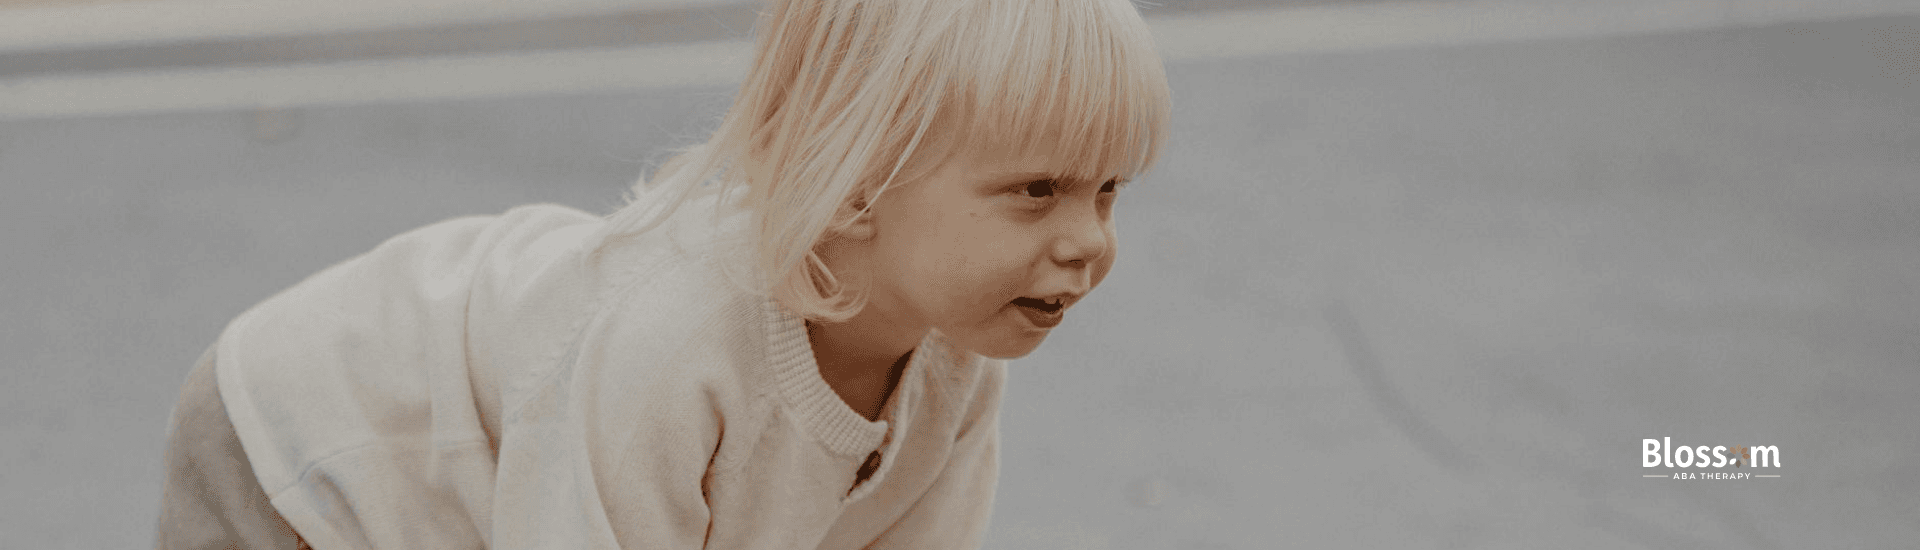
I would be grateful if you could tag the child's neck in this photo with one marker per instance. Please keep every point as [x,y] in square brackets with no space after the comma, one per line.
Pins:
[861,360]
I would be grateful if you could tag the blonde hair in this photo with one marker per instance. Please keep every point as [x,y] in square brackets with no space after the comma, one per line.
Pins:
[843,94]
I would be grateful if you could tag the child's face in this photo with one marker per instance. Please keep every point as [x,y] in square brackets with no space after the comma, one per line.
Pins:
[979,247]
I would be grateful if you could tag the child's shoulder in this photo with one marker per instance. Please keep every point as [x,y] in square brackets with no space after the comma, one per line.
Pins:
[540,277]
[524,222]
[537,227]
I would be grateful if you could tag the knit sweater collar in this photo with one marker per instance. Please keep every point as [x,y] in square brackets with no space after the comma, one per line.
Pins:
[820,409]
[789,352]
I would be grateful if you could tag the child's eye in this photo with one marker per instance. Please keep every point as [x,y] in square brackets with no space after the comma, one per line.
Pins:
[1039,189]
[1110,186]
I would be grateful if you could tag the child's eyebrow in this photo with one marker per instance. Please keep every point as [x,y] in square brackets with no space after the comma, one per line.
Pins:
[1022,176]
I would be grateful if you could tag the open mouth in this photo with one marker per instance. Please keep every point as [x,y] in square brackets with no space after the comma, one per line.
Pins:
[1047,305]
[1042,312]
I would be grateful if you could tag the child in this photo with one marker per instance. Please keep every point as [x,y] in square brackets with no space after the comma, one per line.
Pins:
[794,338]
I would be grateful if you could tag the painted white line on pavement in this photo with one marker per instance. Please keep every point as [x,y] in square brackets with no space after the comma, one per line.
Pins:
[1182,38]
[106,24]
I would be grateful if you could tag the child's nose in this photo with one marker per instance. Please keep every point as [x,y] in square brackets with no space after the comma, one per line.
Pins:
[1082,238]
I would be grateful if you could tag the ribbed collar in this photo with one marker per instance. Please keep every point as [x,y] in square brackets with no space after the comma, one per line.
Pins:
[830,421]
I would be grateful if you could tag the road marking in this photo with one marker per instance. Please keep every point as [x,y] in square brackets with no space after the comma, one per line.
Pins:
[1190,37]
[93,25]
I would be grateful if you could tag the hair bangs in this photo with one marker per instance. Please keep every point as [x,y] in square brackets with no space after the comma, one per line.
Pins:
[1078,80]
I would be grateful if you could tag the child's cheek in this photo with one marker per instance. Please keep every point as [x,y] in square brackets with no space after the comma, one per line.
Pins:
[954,278]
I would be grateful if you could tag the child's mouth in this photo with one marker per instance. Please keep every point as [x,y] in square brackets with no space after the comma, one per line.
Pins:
[1043,313]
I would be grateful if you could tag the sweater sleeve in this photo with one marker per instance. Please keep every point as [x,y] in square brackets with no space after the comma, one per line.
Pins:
[611,447]
[596,460]
[954,512]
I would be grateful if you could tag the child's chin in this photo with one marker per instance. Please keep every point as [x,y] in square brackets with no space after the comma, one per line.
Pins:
[1008,348]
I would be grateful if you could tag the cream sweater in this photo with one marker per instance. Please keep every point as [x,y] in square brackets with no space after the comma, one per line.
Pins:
[471,384]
